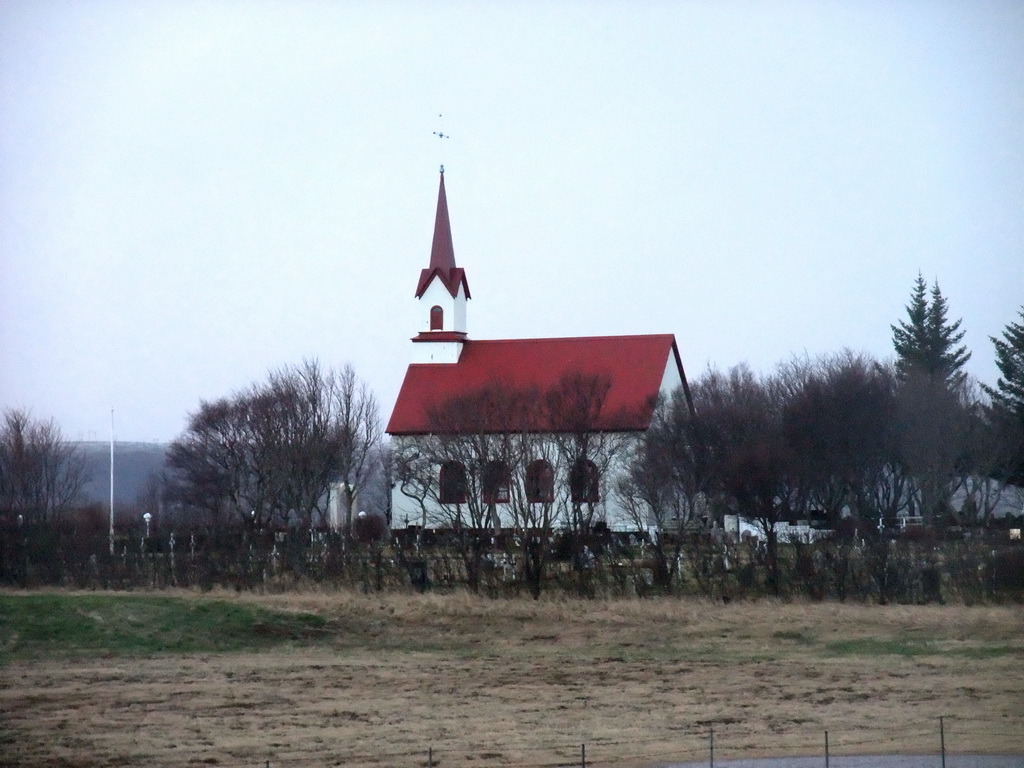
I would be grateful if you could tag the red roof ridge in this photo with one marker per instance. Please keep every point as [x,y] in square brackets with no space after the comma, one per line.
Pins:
[440,336]
[622,336]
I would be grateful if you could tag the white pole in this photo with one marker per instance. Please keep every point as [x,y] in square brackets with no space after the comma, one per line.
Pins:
[111,480]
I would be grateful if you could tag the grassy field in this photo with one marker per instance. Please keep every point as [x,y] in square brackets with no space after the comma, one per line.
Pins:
[179,679]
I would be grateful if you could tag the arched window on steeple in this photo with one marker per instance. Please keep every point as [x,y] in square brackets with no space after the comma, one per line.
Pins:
[436,318]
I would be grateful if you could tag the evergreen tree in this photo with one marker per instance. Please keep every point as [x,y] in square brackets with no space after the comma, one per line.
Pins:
[927,341]
[910,338]
[948,358]
[1007,412]
[1008,394]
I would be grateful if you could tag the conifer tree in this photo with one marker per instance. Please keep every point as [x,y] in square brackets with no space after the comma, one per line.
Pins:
[1008,394]
[927,341]
[910,337]
[1007,412]
[945,336]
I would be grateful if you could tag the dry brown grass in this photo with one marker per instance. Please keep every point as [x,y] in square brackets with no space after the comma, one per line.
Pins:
[525,683]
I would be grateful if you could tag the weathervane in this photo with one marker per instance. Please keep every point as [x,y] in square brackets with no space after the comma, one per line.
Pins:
[441,135]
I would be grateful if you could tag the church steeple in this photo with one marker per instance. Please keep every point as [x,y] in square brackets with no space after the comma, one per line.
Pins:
[442,252]
[442,292]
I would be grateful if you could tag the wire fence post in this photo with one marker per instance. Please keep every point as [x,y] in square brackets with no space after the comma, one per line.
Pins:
[711,747]
[583,755]
[942,740]
[430,757]
[826,749]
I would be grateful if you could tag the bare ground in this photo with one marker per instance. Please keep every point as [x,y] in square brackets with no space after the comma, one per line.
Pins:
[523,683]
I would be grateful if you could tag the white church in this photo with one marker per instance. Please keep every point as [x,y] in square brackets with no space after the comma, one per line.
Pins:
[626,374]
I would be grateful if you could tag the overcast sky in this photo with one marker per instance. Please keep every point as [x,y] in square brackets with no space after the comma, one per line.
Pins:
[192,193]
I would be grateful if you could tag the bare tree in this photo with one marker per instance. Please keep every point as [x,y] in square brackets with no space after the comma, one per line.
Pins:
[218,468]
[473,453]
[267,455]
[357,435]
[415,475]
[935,423]
[664,483]
[292,430]
[749,465]
[387,462]
[41,475]
[839,420]
[489,463]
[539,495]
[575,410]
[985,456]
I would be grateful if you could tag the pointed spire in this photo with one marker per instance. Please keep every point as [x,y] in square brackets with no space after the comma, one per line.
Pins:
[442,252]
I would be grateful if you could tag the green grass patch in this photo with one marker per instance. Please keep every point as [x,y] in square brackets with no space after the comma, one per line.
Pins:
[909,647]
[38,626]
[796,636]
[869,646]
[990,652]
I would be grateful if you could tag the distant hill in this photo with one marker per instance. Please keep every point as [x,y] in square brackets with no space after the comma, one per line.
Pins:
[134,463]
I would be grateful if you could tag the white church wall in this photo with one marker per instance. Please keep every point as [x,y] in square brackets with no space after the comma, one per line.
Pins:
[407,511]
[459,312]
[436,351]
[410,511]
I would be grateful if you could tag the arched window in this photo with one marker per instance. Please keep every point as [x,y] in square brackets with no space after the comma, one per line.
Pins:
[436,318]
[540,482]
[584,482]
[453,483]
[496,482]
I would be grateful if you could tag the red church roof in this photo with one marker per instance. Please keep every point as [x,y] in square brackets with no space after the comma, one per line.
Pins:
[632,368]
[442,252]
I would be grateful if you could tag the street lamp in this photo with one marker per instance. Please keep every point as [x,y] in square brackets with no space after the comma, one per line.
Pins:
[111,480]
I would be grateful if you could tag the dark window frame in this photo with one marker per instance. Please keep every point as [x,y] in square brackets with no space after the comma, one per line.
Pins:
[453,486]
[496,483]
[540,482]
[585,482]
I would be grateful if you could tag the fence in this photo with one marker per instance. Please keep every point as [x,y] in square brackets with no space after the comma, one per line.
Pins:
[941,743]
[883,570]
